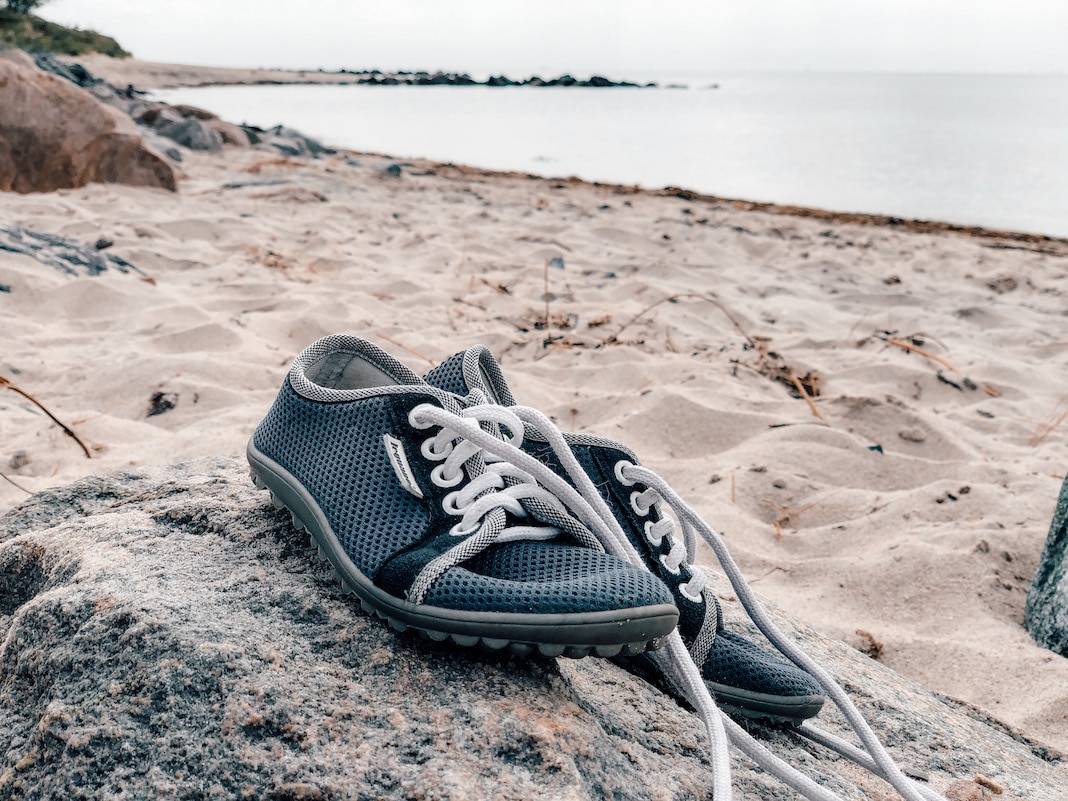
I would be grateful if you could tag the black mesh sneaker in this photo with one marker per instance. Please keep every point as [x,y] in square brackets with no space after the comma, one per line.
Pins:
[742,676]
[431,532]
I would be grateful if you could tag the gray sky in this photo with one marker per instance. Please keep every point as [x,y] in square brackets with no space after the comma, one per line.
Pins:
[590,35]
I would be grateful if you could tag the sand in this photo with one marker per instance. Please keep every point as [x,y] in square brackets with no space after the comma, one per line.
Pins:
[905,511]
[145,75]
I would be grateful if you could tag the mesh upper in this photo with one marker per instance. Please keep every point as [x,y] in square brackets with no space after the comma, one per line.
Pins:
[332,443]
[449,375]
[547,578]
[335,451]
[736,662]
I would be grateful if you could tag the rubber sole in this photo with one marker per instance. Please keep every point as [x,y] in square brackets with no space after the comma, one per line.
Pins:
[604,634]
[789,710]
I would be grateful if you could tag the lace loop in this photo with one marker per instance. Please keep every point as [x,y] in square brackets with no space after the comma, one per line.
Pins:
[494,489]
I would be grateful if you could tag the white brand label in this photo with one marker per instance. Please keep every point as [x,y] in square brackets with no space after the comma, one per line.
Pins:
[399,460]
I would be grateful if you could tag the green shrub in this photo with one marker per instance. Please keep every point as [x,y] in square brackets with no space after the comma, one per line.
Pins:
[33,33]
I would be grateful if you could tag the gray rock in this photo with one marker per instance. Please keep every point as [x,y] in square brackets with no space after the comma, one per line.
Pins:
[56,135]
[164,633]
[188,132]
[163,145]
[75,73]
[69,257]
[287,147]
[306,143]
[1047,600]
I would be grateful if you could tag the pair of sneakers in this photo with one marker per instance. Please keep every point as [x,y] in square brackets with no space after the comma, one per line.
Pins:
[448,509]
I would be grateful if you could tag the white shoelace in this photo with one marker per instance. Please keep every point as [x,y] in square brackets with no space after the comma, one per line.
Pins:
[495,490]
[586,503]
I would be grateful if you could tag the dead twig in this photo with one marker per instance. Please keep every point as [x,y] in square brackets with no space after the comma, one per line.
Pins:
[908,346]
[925,353]
[15,484]
[805,396]
[674,299]
[790,515]
[773,570]
[66,429]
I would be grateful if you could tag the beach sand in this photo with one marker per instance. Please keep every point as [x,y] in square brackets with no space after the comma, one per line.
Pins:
[903,510]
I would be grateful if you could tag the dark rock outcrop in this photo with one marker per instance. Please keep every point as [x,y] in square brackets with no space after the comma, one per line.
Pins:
[69,257]
[1047,600]
[165,633]
[56,135]
[287,141]
[404,78]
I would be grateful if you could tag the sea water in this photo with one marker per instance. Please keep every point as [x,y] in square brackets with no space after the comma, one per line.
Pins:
[986,150]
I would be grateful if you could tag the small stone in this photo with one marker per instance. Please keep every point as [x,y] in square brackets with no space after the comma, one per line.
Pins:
[103,243]
[19,460]
[912,435]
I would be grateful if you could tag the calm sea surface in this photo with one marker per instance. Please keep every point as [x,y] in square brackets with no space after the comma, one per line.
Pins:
[981,150]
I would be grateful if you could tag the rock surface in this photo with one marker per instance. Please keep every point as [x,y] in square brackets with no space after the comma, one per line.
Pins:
[69,257]
[1047,600]
[56,135]
[165,633]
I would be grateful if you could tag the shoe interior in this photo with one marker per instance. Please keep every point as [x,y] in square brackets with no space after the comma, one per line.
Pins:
[346,370]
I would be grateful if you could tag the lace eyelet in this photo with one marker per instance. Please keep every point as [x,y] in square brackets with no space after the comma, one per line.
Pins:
[437,475]
[654,541]
[684,589]
[415,422]
[618,470]
[448,503]
[427,449]
[667,567]
[634,496]
[456,531]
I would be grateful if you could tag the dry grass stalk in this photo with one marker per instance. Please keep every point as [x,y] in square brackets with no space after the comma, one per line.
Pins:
[1046,429]
[15,484]
[925,353]
[908,346]
[790,515]
[258,166]
[805,396]
[548,318]
[402,346]
[66,429]
[614,338]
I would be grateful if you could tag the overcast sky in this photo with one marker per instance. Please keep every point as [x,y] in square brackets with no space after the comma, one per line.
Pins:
[1029,36]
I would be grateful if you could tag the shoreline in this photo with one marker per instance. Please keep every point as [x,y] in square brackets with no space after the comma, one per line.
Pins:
[149,76]
[1038,243]
[153,75]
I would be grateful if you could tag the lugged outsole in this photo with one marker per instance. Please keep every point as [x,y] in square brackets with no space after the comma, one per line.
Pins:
[485,644]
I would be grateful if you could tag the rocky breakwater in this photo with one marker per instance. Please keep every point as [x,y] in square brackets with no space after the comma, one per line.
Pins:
[164,632]
[1047,601]
[57,135]
[403,78]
